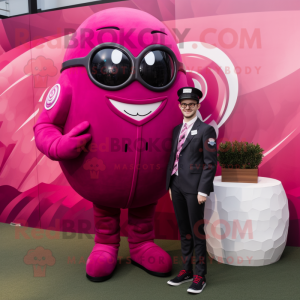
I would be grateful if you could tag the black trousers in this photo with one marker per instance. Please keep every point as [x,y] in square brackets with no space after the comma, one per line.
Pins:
[190,214]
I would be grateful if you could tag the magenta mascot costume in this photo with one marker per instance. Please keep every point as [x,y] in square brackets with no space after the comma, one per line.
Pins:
[108,121]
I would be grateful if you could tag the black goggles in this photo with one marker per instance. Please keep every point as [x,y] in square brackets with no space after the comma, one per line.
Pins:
[112,66]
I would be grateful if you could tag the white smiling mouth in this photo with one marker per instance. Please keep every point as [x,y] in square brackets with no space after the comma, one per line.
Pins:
[136,111]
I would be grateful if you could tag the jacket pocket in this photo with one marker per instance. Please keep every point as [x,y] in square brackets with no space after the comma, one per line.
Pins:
[196,168]
[196,171]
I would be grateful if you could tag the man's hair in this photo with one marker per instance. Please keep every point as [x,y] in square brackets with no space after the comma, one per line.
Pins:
[189,99]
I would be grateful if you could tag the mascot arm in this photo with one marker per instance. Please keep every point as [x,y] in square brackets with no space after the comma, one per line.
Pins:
[49,128]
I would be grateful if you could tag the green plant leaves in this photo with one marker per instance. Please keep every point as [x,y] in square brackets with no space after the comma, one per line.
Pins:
[239,155]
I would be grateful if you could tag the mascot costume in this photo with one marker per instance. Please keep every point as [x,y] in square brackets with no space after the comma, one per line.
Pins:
[108,121]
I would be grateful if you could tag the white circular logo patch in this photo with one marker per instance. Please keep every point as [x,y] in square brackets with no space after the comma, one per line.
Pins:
[52,97]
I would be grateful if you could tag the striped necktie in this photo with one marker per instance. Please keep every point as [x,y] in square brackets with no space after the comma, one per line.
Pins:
[179,146]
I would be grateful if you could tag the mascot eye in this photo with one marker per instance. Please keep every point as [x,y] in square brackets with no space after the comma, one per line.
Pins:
[110,66]
[150,58]
[116,56]
[157,68]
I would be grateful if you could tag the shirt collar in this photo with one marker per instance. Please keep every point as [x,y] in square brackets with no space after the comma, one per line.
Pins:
[191,121]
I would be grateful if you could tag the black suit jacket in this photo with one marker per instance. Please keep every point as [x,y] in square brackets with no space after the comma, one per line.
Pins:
[197,160]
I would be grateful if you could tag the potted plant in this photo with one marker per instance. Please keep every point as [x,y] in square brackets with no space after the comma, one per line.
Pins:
[239,161]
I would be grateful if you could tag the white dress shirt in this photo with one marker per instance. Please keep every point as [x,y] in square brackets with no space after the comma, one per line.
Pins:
[188,131]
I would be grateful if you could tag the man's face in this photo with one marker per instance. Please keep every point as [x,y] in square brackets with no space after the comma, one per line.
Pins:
[189,108]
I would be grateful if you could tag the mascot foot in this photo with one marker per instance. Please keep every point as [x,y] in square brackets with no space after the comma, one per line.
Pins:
[102,262]
[151,258]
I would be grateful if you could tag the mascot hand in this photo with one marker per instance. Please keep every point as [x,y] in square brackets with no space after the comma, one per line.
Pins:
[71,144]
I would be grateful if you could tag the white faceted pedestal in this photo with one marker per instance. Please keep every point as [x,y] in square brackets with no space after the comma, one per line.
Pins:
[246,224]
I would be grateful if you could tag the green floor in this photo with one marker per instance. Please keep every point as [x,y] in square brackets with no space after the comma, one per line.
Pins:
[66,280]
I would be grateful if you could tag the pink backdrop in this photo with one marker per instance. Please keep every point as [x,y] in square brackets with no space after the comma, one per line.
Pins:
[245,56]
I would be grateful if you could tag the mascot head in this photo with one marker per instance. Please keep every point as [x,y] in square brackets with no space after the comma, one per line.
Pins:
[129,60]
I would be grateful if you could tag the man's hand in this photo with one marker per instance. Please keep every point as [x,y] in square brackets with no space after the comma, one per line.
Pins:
[170,193]
[201,199]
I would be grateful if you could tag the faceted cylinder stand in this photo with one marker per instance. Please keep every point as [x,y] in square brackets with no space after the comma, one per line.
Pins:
[246,224]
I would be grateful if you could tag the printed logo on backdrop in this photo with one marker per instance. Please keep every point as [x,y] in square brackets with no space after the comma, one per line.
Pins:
[41,68]
[206,70]
[52,96]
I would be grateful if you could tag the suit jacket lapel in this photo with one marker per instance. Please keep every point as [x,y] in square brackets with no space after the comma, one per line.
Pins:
[176,137]
[190,136]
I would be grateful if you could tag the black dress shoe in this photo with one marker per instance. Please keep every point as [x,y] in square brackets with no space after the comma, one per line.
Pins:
[182,277]
[198,284]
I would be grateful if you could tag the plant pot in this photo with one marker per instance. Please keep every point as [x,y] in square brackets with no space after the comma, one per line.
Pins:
[240,175]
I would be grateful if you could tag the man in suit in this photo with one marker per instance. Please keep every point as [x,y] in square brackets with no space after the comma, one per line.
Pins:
[190,174]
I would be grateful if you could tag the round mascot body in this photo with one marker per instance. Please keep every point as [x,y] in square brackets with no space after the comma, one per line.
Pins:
[109,121]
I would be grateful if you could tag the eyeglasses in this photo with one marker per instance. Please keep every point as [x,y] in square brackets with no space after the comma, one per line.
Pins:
[112,66]
[191,105]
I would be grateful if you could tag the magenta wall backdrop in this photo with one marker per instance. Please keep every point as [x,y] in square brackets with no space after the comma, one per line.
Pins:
[245,55]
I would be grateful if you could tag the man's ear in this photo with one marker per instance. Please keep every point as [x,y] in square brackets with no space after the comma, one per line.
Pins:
[198,105]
